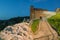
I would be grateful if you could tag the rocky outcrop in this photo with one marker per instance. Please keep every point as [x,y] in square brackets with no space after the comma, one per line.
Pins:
[20,31]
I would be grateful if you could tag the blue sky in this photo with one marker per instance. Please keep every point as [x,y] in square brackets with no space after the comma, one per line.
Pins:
[15,8]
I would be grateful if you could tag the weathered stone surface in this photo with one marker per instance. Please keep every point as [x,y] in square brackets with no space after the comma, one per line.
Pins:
[20,31]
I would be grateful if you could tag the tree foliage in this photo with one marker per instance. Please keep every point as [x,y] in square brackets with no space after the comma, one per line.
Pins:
[12,21]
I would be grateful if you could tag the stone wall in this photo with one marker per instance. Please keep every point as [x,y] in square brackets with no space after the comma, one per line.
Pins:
[36,13]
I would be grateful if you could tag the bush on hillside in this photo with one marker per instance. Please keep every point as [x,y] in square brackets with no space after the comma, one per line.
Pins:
[55,22]
[34,25]
[12,21]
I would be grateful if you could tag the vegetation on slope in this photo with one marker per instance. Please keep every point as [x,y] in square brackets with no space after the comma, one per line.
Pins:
[12,21]
[34,25]
[55,22]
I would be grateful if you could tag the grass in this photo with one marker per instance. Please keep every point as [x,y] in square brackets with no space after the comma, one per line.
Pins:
[34,25]
[55,21]
[57,16]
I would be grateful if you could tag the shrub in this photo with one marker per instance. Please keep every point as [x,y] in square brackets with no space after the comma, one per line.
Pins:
[55,22]
[34,25]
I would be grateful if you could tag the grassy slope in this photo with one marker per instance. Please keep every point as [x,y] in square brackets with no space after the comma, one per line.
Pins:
[55,22]
[34,25]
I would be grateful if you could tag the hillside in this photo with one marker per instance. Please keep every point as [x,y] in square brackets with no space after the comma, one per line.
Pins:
[20,31]
[12,21]
[34,25]
[55,22]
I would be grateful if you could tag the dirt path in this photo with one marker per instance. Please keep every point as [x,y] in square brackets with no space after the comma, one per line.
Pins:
[45,32]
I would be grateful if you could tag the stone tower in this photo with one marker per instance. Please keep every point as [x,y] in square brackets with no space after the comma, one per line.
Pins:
[36,13]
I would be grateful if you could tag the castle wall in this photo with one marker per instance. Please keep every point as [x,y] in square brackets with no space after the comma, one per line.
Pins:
[32,14]
[39,14]
[36,13]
